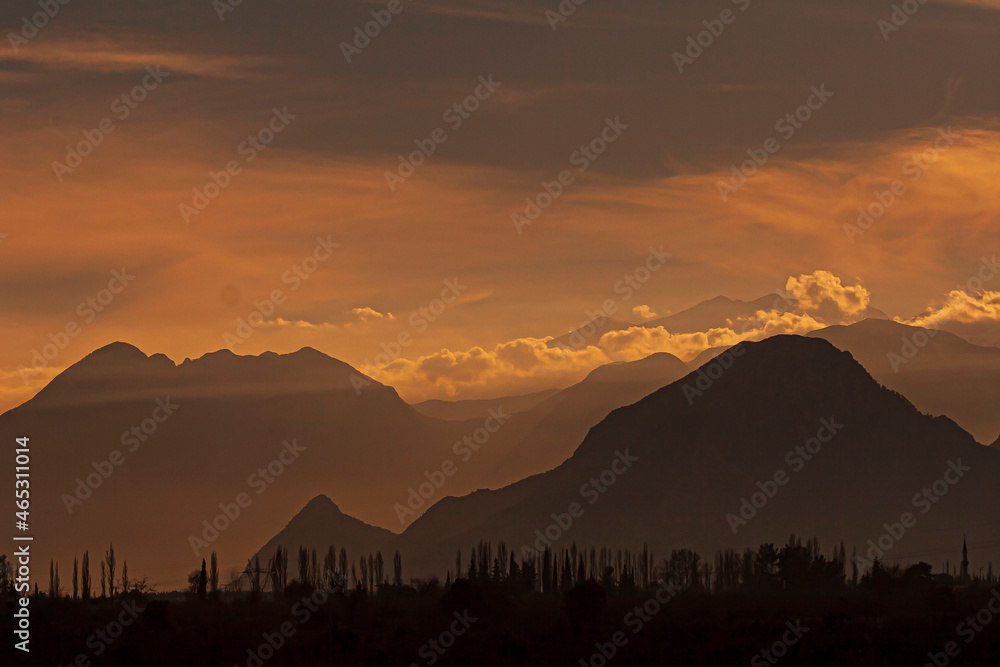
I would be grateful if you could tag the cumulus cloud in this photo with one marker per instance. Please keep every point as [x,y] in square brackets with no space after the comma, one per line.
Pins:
[526,363]
[959,307]
[644,312]
[815,289]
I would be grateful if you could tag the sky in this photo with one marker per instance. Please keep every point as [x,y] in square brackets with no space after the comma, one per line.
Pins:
[171,173]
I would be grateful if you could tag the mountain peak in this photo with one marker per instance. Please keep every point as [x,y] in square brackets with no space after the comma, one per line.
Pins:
[323,503]
[116,352]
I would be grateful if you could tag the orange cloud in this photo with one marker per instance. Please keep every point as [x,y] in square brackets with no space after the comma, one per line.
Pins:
[959,307]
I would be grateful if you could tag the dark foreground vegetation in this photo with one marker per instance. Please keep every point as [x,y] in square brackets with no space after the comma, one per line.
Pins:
[787,606]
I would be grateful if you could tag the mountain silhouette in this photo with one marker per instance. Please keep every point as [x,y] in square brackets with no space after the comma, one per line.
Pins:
[234,417]
[362,444]
[697,456]
[316,526]
[564,419]
[939,372]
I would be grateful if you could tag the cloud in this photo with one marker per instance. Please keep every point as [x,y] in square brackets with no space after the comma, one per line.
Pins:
[367,315]
[814,289]
[959,307]
[106,56]
[645,312]
[526,363]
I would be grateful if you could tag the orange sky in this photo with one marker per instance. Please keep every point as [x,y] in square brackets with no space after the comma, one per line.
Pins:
[323,177]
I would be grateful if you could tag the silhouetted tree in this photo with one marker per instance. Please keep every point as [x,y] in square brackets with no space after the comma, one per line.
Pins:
[76,580]
[53,580]
[379,566]
[213,578]
[109,559]
[203,582]
[85,575]
[303,565]
[397,569]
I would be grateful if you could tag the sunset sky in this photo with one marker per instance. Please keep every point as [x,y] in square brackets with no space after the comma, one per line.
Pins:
[388,252]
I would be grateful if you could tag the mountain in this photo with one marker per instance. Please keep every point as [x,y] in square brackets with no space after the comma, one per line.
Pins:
[706,356]
[320,525]
[140,451]
[985,333]
[589,334]
[714,313]
[941,373]
[720,311]
[674,465]
[473,409]
[167,448]
[561,422]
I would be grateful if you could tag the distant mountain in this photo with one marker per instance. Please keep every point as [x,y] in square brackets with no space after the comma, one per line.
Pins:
[188,437]
[473,409]
[714,313]
[706,356]
[718,312]
[540,438]
[986,333]
[561,422]
[320,525]
[195,435]
[685,461]
[941,373]
[589,334]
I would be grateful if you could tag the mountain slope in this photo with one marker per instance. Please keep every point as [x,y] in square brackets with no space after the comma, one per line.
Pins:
[321,525]
[940,372]
[563,420]
[696,459]
[186,438]
[475,408]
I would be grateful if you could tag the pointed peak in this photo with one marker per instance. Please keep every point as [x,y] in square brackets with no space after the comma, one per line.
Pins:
[321,502]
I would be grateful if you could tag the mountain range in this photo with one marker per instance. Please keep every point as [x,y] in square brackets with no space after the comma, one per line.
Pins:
[171,447]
